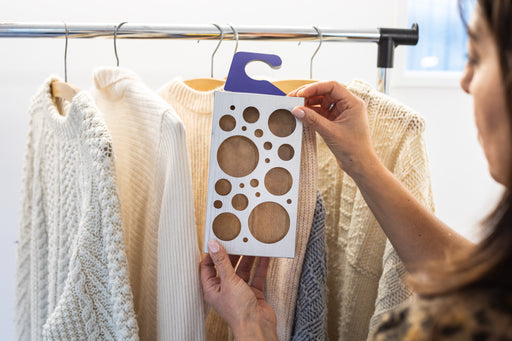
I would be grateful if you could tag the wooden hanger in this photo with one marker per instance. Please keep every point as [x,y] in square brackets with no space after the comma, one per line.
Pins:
[204,84]
[288,85]
[62,89]
[208,84]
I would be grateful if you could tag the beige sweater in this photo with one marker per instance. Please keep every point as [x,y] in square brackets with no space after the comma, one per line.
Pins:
[72,272]
[195,109]
[365,276]
[157,205]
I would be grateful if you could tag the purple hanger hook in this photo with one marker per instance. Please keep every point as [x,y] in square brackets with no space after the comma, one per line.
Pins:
[239,81]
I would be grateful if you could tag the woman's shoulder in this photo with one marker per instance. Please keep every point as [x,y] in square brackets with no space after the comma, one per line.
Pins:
[469,315]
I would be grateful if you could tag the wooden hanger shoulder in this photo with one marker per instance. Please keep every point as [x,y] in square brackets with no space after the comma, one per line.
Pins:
[208,84]
[64,90]
[204,84]
[288,85]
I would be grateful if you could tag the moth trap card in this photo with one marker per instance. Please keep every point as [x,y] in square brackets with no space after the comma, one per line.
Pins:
[253,183]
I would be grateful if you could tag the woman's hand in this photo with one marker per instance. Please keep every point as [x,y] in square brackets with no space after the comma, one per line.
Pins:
[241,305]
[341,119]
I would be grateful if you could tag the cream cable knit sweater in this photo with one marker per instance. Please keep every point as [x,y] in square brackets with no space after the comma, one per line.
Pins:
[157,205]
[72,272]
[195,109]
[365,276]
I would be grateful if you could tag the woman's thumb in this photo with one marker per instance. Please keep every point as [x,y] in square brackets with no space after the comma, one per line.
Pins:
[220,259]
[312,119]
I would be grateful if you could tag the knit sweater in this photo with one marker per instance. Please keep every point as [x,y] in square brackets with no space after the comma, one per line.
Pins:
[195,109]
[157,206]
[310,322]
[365,276]
[72,273]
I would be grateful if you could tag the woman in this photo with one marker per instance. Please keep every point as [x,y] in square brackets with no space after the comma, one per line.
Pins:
[467,296]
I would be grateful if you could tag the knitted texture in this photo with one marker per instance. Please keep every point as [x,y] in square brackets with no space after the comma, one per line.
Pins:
[195,109]
[364,275]
[156,191]
[392,288]
[72,273]
[310,321]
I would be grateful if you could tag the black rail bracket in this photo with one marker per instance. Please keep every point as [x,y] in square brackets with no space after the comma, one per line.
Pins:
[391,38]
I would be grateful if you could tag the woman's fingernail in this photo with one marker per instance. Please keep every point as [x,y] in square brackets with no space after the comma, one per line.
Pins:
[299,113]
[213,246]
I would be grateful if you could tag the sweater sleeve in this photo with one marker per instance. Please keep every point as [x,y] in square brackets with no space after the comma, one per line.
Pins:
[23,274]
[180,304]
[412,169]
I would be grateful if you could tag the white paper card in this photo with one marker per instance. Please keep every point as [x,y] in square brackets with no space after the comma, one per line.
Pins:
[253,181]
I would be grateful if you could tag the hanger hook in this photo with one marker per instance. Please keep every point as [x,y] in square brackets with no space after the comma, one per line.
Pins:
[115,39]
[215,51]
[235,32]
[320,35]
[66,54]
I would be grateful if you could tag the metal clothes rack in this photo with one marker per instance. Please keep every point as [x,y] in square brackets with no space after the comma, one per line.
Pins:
[387,39]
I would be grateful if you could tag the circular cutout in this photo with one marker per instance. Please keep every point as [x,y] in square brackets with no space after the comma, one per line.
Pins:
[239,202]
[254,182]
[242,185]
[227,123]
[232,107]
[244,128]
[217,204]
[278,181]
[269,222]
[226,226]
[285,152]
[258,133]
[245,240]
[223,187]
[251,114]
[289,201]
[237,156]
[258,194]
[282,123]
[267,145]
[267,160]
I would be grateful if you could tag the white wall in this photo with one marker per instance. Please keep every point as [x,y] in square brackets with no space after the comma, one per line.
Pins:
[463,190]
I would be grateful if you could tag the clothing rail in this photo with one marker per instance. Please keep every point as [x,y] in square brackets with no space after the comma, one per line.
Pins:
[386,38]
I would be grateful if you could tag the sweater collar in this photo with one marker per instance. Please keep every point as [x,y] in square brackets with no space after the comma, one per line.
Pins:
[177,92]
[109,79]
[65,118]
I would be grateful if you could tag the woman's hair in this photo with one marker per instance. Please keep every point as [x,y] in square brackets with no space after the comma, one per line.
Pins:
[489,264]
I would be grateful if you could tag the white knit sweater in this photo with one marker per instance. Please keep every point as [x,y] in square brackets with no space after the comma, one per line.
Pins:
[365,275]
[155,185]
[72,272]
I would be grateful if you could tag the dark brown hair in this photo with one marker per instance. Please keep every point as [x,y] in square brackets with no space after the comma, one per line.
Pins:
[489,264]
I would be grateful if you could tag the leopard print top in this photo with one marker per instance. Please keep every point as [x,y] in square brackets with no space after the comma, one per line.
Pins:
[473,315]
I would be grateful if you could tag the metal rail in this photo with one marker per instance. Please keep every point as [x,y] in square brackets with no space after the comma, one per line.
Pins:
[196,32]
[386,38]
